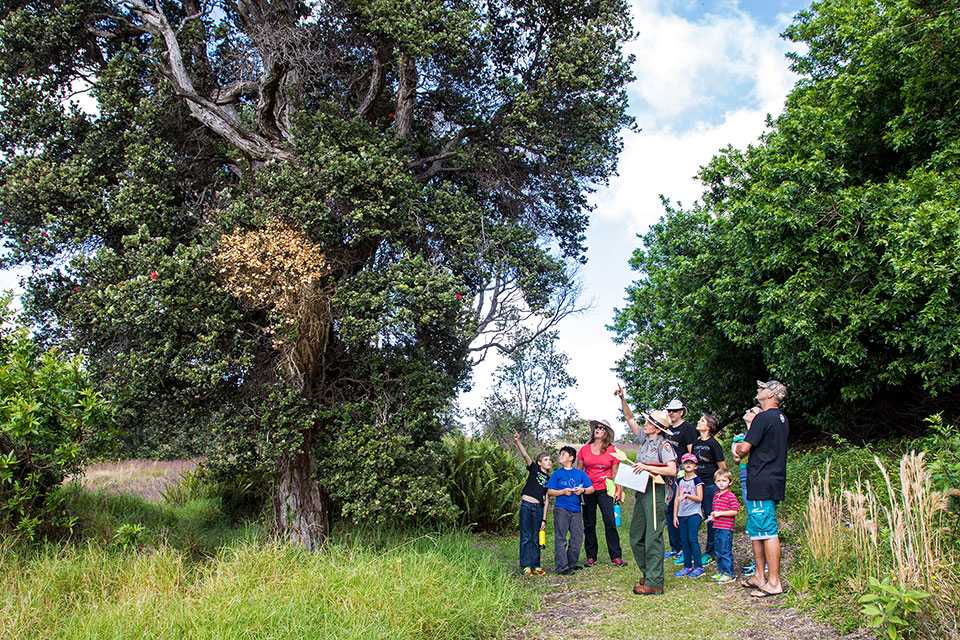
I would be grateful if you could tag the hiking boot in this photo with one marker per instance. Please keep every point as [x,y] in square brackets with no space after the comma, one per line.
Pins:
[590,562]
[565,572]
[696,572]
[618,562]
[644,590]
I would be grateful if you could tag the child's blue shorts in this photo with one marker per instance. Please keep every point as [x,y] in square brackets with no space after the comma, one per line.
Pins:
[762,519]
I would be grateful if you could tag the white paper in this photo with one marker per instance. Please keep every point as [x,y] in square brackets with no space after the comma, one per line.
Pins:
[630,480]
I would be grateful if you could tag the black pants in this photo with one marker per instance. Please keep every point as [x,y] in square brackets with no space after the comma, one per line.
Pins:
[590,503]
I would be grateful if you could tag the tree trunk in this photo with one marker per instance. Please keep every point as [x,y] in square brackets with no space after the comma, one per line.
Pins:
[299,502]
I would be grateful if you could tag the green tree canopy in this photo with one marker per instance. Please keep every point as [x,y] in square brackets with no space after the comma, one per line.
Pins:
[289,222]
[826,255]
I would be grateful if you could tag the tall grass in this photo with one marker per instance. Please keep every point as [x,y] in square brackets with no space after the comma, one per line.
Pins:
[896,533]
[435,587]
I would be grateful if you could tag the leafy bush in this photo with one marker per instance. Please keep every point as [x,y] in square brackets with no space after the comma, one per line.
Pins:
[484,482]
[384,479]
[51,419]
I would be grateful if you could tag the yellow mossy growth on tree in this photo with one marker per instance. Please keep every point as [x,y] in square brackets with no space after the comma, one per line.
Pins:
[282,271]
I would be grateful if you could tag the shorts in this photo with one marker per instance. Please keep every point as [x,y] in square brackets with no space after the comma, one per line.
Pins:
[762,519]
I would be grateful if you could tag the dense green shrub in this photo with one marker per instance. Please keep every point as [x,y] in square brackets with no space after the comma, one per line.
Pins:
[484,482]
[382,478]
[51,419]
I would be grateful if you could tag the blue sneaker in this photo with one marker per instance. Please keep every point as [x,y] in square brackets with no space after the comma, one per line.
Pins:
[706,559]
[669,555]
[750,569]
[678,559]
[683,573]
[696,572]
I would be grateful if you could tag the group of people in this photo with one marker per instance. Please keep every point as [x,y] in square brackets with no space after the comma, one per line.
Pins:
[688,466]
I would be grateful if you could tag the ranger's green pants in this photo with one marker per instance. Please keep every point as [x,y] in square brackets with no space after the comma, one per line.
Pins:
[646,540]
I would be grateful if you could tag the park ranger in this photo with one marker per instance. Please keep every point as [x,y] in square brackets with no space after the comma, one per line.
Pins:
[655,456]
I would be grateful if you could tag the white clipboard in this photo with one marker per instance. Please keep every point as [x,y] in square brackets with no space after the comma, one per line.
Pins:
[628,479]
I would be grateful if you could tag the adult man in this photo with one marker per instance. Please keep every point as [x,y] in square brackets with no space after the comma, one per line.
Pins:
[682,436]
[766,442]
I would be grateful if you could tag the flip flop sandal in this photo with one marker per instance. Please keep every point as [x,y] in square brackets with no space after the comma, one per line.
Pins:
[746,584]
[763,593]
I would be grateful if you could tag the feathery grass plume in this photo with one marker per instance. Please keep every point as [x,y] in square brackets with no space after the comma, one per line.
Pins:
[863,512]
[920,560]
[824,533]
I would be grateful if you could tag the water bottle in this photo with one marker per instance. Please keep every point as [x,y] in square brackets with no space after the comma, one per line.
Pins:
[616,514]
[543,539]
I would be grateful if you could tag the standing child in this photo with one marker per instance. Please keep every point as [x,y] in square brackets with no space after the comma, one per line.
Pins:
[567,485]
[687,517]
[725,508]
[533,509]
[709,458]
[749,568]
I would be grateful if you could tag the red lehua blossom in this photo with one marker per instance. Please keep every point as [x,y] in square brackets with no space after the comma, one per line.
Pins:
[459,296]
[153,275]
[76,288]
[390,116]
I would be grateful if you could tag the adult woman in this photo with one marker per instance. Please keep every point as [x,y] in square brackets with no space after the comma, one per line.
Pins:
[656,457]
[596,460]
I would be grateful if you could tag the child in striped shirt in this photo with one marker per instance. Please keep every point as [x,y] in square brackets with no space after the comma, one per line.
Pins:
[725,508]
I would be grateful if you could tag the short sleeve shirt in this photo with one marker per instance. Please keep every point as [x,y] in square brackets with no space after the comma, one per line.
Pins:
[597,467]
[688,487]
[657,449]
[564,478]
[767,466]
[536,485]
[709,453]
[680,436]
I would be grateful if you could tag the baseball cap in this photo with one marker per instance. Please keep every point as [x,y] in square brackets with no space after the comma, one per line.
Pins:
[777,388]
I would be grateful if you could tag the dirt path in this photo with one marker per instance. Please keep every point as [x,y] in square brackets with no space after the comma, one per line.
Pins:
[598,604]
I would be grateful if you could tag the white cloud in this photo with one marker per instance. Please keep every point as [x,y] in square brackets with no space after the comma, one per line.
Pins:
[700,86]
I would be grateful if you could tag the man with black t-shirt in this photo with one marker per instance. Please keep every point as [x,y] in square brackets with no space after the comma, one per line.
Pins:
[681,436]
[766,442]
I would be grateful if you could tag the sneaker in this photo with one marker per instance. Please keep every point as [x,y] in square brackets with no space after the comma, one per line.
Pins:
[590,562]
[716,576]
[539,572]
[678,559]
[683,573]
[668,555]
[706,559]
[696,572]
[618,562]
[725,579]
[565,572]
[749,569]
[577,568]
[527,572]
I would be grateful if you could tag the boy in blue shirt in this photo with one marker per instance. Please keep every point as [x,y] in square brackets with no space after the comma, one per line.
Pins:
[567,484]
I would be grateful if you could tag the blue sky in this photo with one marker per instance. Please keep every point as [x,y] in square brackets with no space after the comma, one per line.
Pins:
[708,73]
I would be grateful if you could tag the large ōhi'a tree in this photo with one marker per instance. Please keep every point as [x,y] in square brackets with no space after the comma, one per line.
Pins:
[272,226]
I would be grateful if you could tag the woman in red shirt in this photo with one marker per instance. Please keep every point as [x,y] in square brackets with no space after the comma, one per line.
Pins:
[596,459]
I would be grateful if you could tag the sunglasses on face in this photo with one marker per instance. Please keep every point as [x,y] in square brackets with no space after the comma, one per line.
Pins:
[600,428]
[674,410]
